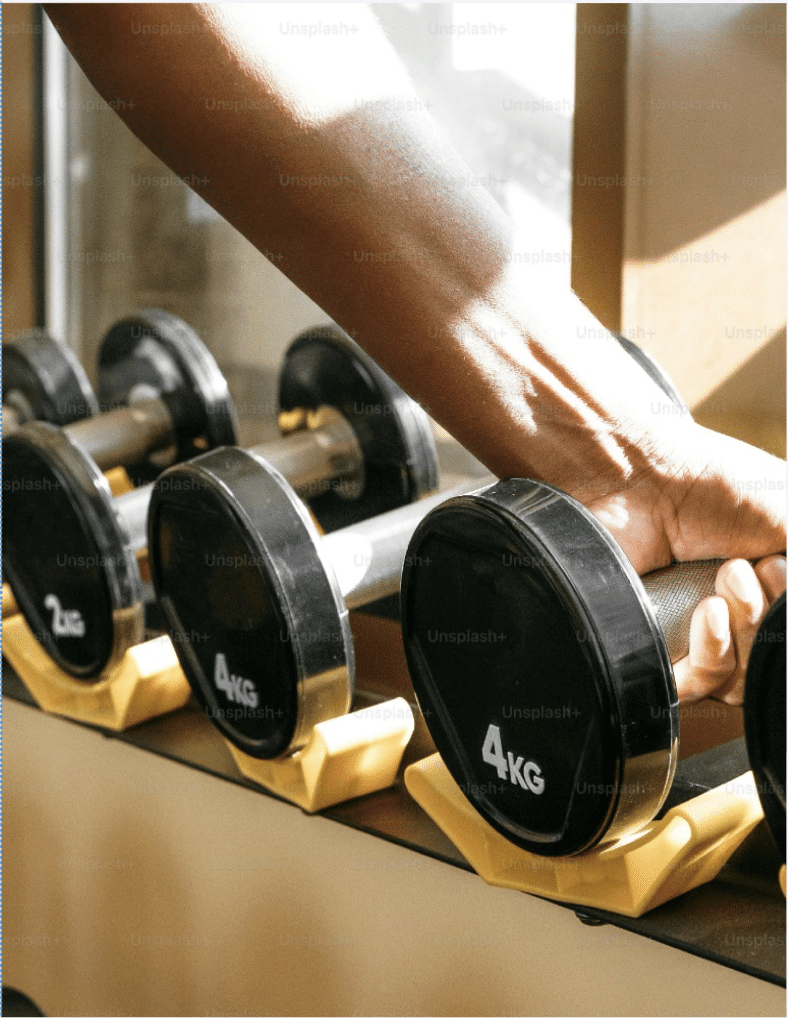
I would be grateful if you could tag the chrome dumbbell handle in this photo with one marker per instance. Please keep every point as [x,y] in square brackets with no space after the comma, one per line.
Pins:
[674,593]
[126,435]
[368,557]
[326,453]
[312,458]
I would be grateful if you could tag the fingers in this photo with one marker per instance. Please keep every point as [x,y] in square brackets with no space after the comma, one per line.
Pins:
[711,661]
[724,628]
[747,604]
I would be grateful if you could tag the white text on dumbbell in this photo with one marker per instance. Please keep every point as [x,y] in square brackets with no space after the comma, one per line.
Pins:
[235,687]
[64,623]
[527,775]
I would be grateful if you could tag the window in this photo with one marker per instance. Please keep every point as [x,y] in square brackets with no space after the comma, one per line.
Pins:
[124,232]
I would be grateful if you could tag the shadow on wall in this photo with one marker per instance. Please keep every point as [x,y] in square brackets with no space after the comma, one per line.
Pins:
[716,122]
[751,397]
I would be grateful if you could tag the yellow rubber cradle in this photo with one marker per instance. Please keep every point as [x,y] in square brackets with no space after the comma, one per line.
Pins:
[147,682]
[664,859]
[10,606]
[346,757]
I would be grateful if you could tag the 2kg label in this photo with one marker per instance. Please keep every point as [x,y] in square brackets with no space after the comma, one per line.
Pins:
[64,623]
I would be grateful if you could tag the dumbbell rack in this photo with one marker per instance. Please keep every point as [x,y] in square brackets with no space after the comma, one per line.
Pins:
[741,899]
[148,681]
[346,757]
[667,858]
[186,737]
[360,753]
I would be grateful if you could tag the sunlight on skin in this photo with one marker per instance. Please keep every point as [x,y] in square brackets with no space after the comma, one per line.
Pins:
[300,65]
[615,515]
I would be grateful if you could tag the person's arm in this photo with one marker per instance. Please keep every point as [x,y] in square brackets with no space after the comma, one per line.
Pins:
[318,148]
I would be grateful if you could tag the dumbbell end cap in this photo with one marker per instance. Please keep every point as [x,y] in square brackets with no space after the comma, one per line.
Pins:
[254,613]
[540,667]
[67,554]
[764,718]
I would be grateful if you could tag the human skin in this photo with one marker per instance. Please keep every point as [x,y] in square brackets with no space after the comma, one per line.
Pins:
[253,117]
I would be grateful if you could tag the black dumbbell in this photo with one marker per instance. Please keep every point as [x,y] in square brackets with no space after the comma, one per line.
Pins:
[168,400]
[270,664]
[365,445]
[43,381]
[162,393]
[764,718]
[163,396]
[256,600]
[543,664]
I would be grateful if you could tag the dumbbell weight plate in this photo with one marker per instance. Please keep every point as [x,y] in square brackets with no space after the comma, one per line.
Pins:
[271,672]
[540,664]
[58,514]
[324,367]
[154,353]
[68,555]
[230,542]
[61,457]
[256,599]
[764,718]
[43,380]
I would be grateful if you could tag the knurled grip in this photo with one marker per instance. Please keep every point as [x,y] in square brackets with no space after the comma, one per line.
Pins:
[674,592]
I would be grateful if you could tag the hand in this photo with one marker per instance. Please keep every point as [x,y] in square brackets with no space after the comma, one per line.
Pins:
[731,505]
[724,628]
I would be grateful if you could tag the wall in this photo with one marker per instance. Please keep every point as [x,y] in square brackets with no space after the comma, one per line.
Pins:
[704,271]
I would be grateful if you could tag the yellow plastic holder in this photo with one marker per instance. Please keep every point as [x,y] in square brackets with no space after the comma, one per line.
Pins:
[10,607]
[630,876]
[118,480]
[346,757]
[147,682]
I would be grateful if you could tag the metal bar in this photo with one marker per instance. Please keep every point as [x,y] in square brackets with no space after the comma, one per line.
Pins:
[133,510]
[314,459]
[674,592]
[58,294]
[368,557]
[127,435]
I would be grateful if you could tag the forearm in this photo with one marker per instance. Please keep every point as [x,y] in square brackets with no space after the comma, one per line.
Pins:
[370,214]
